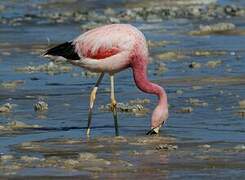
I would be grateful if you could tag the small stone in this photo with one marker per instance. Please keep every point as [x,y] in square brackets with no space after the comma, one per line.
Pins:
[218,109]
[70,163]
[229,69]
[149,152]
[114,20]
[86,156]
[19,124]
[125,163]
[6,108]
[139,101]
[240,147]
[213,64]
[153,18]
[6,157]
[230,9]
[66,104]
[160,43]
[40,106]
[89,74]
[90,25]
[135,153]
[11,84]
[213,29]
[170,56]
[119,139]
[242,104]
[179,92]
[29,158]
[6,53]
[136,109]
[109,11]
[186,110]
[94,169]
[206,146]
[50,68]
[240,12]
[197,102]
[195,65]
[208,53]
[161,68]
[2,8]
[166,147]
[196,87]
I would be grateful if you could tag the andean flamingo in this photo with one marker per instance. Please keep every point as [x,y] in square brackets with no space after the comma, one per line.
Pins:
[110,49]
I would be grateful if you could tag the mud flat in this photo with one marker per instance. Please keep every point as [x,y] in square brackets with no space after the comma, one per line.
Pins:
[153,11]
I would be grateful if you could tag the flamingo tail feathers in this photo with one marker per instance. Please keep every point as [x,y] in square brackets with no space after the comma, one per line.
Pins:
[66,50]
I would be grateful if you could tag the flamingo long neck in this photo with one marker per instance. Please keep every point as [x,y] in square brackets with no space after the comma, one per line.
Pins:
[139,67]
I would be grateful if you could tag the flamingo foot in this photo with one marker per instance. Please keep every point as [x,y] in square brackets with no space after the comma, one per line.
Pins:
[114,111]
[113,105]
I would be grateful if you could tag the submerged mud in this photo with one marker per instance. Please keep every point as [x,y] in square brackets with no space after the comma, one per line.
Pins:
[102,157]
[135,107]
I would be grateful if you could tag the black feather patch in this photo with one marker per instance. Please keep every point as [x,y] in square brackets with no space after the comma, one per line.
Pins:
[66,50]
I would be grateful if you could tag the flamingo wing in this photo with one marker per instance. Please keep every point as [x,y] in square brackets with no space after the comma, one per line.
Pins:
[104,42]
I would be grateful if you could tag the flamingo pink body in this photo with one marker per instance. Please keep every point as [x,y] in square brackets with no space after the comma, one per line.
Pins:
[115,47]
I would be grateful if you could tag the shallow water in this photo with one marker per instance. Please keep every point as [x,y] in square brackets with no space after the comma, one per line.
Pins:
[210,139]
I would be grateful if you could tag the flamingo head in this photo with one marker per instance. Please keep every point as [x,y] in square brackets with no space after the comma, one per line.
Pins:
[159,117]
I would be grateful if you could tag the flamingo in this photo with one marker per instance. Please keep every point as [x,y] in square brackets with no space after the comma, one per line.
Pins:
[111,49]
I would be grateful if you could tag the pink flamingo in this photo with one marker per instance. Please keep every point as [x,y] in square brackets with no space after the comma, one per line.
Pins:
[110,49]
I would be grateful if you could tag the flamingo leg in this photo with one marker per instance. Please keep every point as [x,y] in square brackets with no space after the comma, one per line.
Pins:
[114,105]
[92,100]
